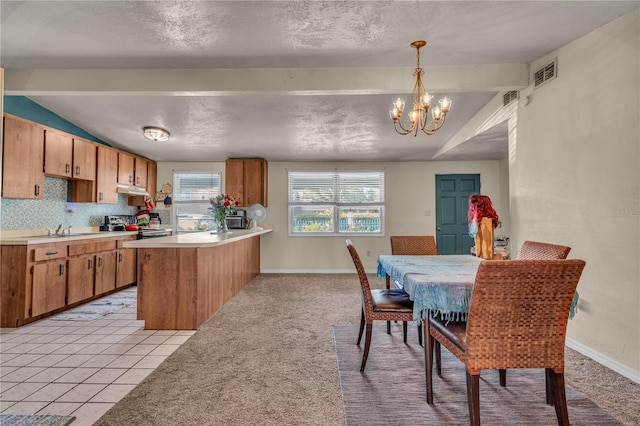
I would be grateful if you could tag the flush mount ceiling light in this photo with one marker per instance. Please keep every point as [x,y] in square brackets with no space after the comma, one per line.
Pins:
[156,134]
[419,116]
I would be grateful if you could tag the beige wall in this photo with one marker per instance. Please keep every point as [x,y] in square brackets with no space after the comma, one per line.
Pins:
[575,180]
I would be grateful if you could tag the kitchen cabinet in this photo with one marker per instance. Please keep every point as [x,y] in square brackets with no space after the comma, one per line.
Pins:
[107,176]
[84,159]
[126,167]
[151,185]
[140,171]
[58,153]
[40,279]
[81,278]
[126,269]
[246,180]
[22,158]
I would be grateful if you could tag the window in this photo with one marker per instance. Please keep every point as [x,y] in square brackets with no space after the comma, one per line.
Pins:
[336,203]
[191,194]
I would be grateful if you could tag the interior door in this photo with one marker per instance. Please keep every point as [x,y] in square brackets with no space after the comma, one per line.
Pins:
[452,201]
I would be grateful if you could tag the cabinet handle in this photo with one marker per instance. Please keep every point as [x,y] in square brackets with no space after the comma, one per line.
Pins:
[77,170]
[119,257]
[51,253]
[130,179]
[67,168]
[137,180]
[37,190]
[90,263]
[99,262]
[99,196]
[61,269]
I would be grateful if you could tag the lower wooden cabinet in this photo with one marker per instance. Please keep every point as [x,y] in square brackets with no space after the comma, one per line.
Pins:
[49,286]
[80,278]
[40,279]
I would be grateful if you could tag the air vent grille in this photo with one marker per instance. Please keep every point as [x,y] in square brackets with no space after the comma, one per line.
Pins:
[546,73]
[509,97]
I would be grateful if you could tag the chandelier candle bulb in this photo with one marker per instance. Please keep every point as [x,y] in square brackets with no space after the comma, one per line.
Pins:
[419,116]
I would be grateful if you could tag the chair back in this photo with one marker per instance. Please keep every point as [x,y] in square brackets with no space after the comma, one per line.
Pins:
[532,250]
[364,281]
[413,244]
[518,313]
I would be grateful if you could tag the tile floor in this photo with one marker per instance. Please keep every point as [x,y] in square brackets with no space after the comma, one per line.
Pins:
[79,368]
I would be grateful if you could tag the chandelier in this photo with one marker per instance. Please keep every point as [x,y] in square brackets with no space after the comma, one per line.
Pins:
[419,116]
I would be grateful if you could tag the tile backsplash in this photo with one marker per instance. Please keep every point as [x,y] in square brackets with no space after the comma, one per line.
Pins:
[53,209]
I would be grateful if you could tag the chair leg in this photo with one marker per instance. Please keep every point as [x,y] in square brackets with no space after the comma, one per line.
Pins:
[428,360]
[559,397]
[367,344]
[388,327]
[473,398]
[420,334]
[438,358]
[361,326]
[503,377]
[404,331]
[548,379]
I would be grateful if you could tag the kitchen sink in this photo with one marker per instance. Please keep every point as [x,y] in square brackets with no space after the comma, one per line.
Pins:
[60,235]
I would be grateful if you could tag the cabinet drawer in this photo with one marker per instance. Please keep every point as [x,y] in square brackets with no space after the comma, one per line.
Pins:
[82,248]
[106,245]
[53,251]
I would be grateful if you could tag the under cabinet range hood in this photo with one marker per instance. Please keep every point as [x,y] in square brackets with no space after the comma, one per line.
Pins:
[131,190]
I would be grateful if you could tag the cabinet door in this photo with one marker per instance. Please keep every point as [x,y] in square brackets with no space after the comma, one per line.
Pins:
[126,268]
[58,153]
[105,272]
[255,182]
[84,159]
[107,176]
[22,159]
[81,276]
[49,286]
[234,179]
[141,172]
[125,168]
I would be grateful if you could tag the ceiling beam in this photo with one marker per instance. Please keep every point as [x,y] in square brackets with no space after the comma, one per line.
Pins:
[293,81]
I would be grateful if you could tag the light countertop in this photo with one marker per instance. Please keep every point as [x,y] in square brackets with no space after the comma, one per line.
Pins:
[26,238]
[196,239]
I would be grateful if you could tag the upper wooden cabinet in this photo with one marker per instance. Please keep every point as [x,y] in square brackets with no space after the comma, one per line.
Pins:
[107,176]
[84,159]
[246,180]
[58,153]
[125,168]
[140,171]
[22,158]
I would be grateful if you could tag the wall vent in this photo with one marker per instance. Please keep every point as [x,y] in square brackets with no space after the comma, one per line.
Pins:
[509,97]
[546,73]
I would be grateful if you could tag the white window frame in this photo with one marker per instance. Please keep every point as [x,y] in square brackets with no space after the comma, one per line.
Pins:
[203,203]
[335,200]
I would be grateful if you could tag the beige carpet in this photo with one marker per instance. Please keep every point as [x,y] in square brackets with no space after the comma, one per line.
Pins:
[268,358]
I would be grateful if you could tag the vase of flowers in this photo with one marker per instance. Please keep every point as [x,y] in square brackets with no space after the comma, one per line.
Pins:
[222,206]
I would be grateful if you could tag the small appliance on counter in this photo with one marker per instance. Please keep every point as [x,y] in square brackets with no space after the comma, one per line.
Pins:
[117,222]
[237,219]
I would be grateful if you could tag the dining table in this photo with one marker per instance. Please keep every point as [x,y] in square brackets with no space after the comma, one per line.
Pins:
[437,284]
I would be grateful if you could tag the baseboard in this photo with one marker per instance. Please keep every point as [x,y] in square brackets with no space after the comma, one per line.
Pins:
[611,363]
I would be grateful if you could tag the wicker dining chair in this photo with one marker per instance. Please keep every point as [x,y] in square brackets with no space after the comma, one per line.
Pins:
[412,245]
[517,319]
[378,304]
[534,250]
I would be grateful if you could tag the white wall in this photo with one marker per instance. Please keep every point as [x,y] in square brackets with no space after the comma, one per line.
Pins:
[410,193]
[575,181]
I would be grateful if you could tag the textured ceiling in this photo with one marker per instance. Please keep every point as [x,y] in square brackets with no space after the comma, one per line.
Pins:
[283,80]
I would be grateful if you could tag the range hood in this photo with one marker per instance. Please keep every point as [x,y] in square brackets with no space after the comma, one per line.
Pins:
[131,190]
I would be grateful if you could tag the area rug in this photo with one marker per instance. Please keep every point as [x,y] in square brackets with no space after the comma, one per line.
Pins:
[100,307]
[34,420]
[391,391]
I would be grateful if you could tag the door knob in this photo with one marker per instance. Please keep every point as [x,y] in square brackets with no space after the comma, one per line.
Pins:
[438,229]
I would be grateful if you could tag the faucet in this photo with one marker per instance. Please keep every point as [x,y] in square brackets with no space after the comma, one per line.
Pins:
[58,230]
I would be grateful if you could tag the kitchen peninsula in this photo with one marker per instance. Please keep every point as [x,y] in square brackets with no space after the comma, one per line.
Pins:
[184,279]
